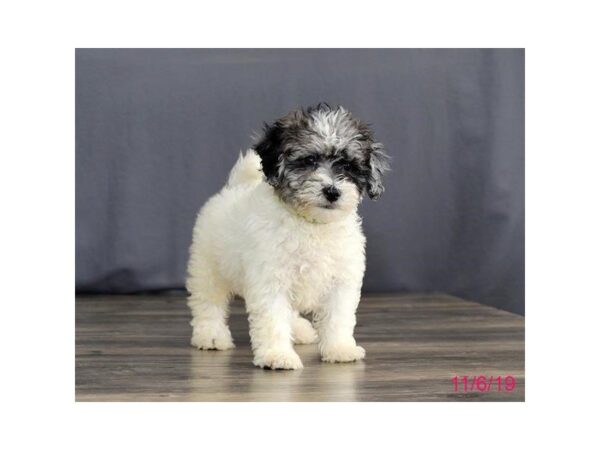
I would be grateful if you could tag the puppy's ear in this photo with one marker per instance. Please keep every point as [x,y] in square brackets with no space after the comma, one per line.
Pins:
[268,147]
[378,165]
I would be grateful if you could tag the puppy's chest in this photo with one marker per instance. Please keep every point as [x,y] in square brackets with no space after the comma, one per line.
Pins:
[313,266]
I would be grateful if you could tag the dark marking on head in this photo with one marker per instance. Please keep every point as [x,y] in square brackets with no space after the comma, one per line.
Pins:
[270,147]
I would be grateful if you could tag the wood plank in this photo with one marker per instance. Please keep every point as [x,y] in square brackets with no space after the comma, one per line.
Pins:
[136,348]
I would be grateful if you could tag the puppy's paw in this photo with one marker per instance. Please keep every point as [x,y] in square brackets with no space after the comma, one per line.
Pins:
[278,359]
[303,331]
[342,353]
[212,338]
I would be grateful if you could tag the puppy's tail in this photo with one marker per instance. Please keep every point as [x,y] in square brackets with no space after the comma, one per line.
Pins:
[246,170]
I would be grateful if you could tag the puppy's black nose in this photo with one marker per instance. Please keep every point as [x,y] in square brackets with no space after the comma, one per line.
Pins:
[331,193]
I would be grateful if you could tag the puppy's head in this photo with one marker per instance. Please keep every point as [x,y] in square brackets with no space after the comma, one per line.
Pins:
[322,161]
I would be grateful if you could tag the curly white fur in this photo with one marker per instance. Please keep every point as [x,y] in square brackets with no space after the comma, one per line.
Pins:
[284,262]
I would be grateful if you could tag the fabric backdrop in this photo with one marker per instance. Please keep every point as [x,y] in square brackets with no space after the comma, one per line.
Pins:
[158,131]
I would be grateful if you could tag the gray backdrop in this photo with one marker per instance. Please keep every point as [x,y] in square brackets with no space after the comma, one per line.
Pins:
[158,131]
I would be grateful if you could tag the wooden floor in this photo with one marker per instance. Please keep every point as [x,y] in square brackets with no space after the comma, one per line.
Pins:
[136,348]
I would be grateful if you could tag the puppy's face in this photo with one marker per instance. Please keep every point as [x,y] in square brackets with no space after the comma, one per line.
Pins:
[322,161]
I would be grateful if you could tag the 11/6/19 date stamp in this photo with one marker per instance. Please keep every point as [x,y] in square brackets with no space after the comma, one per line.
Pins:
[484,383]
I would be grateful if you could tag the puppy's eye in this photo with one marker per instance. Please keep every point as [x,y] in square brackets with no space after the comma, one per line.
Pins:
[345,165]
[309,161]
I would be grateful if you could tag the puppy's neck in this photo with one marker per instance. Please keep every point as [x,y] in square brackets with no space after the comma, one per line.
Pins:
[305,217]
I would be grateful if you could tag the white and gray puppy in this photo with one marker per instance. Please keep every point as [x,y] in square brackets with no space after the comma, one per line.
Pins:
[284,233]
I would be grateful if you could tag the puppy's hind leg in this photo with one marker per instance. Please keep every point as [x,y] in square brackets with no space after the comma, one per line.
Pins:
[302,330]
[209,303]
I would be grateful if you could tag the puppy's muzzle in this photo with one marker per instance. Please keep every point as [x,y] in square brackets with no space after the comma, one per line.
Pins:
[331,193]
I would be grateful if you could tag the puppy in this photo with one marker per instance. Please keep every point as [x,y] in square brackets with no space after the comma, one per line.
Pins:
[284,234]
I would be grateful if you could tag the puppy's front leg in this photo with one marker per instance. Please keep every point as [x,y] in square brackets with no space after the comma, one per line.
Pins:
[335,325]
[270,320]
